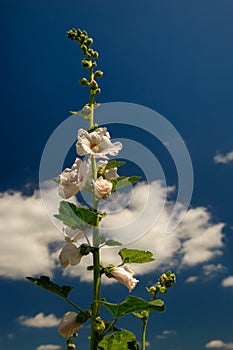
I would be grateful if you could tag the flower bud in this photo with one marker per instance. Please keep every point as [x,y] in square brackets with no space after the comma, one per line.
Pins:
[94,64]
[83,82]
[95,54]
[72,33]
[98,91]
[99,74]
[84,49]
[86,63]
[93,85]
[102,187]
[89,41]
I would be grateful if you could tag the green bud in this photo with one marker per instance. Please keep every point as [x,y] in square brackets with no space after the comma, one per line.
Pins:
[99,74]
[93,85]
[84,32]
[94,64]
[86,63]
[89,42]
[98,91]
[83,48]
[95,54]
[72,33]
[83,82]
[85,249]
[90,52]
[71,346]
[79,32]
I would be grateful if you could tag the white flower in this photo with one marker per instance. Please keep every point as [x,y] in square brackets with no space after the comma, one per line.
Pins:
[75,179]
[70,255]
[102,187]
[125,275]
[68,325]
[72,235]
[109,174]
[96,143]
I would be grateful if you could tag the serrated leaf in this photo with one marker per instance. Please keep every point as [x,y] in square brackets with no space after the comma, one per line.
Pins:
[133,304]
[130,256]
[123,181]
[45,283]
[119,340]
[113,164]
[112,243]
[76,217]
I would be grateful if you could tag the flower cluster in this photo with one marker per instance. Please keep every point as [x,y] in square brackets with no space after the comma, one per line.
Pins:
[79,177]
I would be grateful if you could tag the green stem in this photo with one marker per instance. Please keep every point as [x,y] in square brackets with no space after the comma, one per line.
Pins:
[145,322]
[95,252]
[75,306]
[96,297]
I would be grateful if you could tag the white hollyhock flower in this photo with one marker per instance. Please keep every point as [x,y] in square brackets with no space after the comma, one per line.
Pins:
[96,143]
[125,275]
[70,255]
[72,235]
[75,179]
[68,325]
[102,187]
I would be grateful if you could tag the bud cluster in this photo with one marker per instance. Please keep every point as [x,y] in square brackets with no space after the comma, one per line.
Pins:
[85,43]
[165,282]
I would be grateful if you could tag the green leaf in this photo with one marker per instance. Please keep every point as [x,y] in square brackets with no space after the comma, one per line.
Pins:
[133,304]
[112,243]
[119,340]
[123,181]
[45,283]
[130,256]
[113,164]
[76,217]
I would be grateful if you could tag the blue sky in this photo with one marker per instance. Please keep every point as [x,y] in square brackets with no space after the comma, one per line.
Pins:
[172,57]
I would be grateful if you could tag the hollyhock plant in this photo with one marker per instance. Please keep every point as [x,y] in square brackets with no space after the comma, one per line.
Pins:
[100,178]
[96,143]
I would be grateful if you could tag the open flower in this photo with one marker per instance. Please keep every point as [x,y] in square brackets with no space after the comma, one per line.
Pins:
[70,255]
[69,325]
[102,187]
[72,235]
[125,275]
[96,143]
[75,179]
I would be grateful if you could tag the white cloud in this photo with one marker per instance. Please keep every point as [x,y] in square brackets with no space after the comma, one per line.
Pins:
[26,234]
[227,282]
[218,344]
[225,159]
[39,320]
[211,270]
[165,333]
[49,347]
[191,279]
[143,223]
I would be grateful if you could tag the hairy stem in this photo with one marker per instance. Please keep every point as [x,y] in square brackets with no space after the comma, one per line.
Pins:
[145,322]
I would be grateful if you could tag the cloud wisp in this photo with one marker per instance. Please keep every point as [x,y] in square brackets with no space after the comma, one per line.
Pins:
[49,347]
[219,344]
[223,158]
[227,282]
[39,321]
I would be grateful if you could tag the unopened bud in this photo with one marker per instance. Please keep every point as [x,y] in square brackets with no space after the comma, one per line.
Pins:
[83,82]
[86,63]
[93,85]
[98,91]
[95,54]
[84,49]
[89,41]
[99,74]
